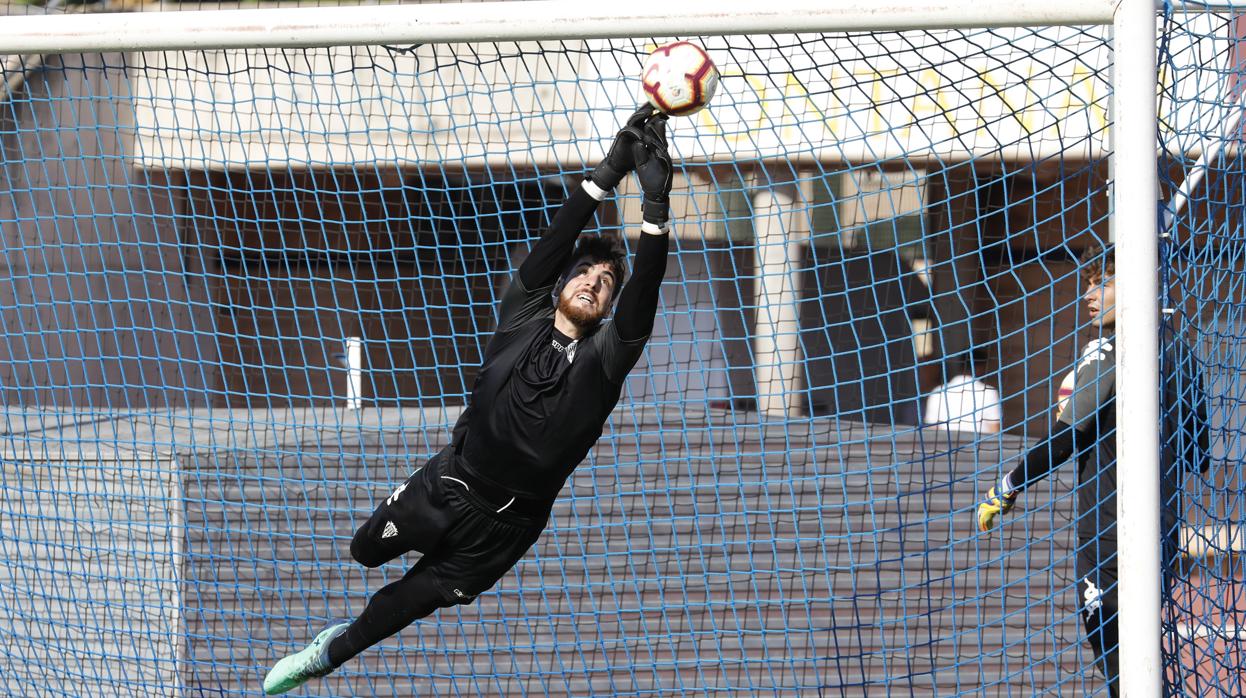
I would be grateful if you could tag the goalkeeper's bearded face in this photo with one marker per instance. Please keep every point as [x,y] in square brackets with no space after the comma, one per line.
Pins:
[588,294]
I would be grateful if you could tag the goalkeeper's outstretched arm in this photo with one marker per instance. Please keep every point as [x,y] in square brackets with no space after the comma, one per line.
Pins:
[1056,448]
[638,302]
[1077,423]
[529,293]
[552,253]
[1039,461]
[622,344]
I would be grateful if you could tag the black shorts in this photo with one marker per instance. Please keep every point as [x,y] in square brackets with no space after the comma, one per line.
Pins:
[1096,557]
[1097,571]
[467,546]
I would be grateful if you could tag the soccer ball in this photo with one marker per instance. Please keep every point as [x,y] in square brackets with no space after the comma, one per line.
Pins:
[679,78]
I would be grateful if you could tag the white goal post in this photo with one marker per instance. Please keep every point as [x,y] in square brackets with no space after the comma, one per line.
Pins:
[1133,160]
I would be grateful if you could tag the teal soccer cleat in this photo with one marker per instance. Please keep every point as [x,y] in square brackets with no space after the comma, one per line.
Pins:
[312,662]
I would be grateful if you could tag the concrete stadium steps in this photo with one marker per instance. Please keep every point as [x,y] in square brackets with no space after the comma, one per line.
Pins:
[89,546]
[689,555]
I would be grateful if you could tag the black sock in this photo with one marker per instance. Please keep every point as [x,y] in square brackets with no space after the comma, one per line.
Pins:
[391,609]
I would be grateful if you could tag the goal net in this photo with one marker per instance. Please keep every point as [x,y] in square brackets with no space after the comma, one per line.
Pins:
[1201,171]
[248,290]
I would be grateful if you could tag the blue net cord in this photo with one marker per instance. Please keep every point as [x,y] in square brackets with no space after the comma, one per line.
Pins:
[200,244]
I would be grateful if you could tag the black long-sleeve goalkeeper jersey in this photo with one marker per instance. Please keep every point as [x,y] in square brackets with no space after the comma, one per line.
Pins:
[1086,428]
[541,399]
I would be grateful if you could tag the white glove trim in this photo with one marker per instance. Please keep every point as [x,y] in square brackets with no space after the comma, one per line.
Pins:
[654,229]
[593,190]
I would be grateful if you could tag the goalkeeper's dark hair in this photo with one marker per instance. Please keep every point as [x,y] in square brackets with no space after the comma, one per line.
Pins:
[1097,263]
[597,249]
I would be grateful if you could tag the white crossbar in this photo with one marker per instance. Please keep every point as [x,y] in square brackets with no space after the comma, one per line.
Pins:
[518,21]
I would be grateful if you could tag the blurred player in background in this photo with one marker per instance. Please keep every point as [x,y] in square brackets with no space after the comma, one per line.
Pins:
[551,375]
[1085,427]
[965,402]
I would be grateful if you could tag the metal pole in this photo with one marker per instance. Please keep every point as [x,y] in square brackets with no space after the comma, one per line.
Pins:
[776,344]
[513,21]
[1229,126]
[1135,194]
[1196,7]
[18,68]
[354,373]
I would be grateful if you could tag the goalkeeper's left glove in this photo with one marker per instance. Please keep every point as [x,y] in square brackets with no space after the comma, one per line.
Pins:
[996,505]
[656,175]
[620,159]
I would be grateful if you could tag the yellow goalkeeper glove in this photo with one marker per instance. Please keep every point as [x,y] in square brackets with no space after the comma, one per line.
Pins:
[995,505]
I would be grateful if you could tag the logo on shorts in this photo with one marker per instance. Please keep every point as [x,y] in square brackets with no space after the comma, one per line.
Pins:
[459,593]
[1092,595]
[390,530]
[394,497]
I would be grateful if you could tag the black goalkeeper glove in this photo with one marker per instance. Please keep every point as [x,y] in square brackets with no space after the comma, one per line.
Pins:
[654,169]
[621,158]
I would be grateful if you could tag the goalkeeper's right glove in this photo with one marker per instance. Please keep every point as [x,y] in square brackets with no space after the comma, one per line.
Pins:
[620,159]
[996,505]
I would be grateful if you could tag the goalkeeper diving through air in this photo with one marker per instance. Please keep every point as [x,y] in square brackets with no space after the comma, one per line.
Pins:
[550,377]
[1086,428]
